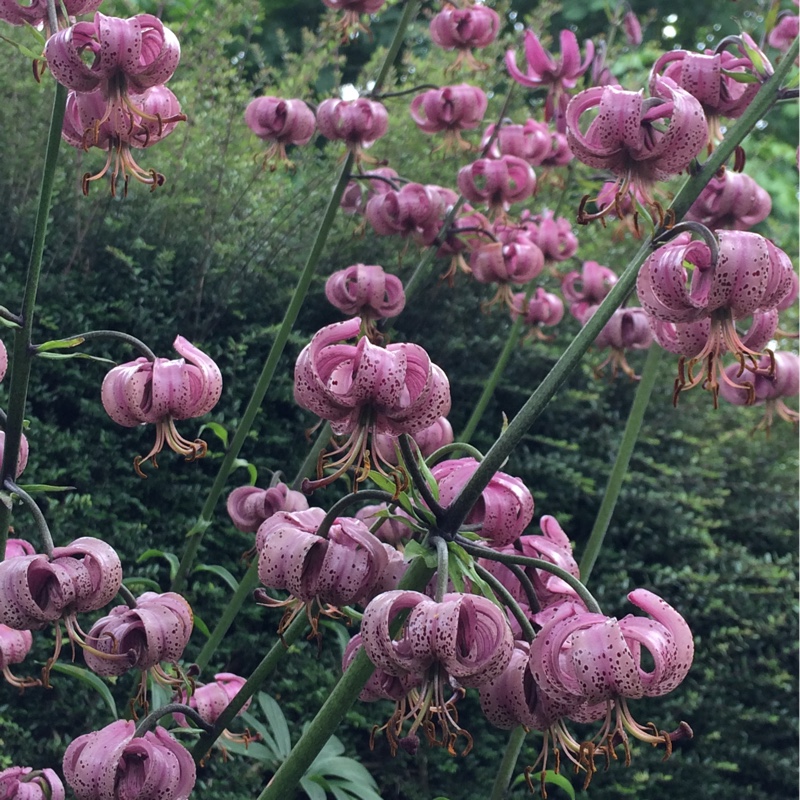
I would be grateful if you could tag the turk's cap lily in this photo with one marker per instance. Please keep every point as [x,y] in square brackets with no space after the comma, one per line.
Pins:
[249,507]
[465,28]
[398,384]
[499,182]
[114,764]
[23,783]
[18,547]
[367,291]
[504,509]
[532,141]
[15,12]
[381,685]
[451,108]
[359,123]
[545,71]
[414,209]
[628,329]
[211,699]
[158,629]
[732,201]
[279,120]
[22,458]
[139,50]
[543,308]
[638,139]
[590,285]
[84,576]
[784,382]
[553,235]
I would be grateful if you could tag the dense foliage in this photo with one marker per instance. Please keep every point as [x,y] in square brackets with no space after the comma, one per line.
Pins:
[707,516]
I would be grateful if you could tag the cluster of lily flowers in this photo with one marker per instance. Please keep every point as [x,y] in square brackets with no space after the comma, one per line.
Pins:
[580,666]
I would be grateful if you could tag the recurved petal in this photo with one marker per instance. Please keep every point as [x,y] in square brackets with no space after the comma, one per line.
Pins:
[91,761]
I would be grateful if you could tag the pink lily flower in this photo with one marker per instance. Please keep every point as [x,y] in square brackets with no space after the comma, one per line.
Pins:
[497,182]
[90,120]
[640,140]
[557,76]
[114,764]
[544,309]
[359,123]
[531,141]
[414,210]
[248,506]
[709,78]
[381,685]
[22,458]
[587,288]
[282,122]
[450,109]
[733,201]
[353,9]
[22,783]
[365,390]
[15,12]
[14,648]
[211,699]
[366,291]
[378,181]
[18,547]
[157,630]
[628,329]
[517,263]
[746,274]
[465,29]
[160,392]
[632,28]
[504,509]
[784,32]
[553,236]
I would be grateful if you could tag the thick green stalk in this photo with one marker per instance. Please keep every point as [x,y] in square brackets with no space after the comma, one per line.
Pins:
[571,357]
[251,685]
[331,713]
[615,480]
[264,380]
[491,384]
[22,354]
[501,781]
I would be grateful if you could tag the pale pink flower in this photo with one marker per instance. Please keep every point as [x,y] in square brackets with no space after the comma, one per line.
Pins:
[282,122]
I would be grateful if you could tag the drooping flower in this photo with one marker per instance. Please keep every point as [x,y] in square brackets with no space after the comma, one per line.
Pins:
[732,201]
[465,29]
[543,309]
[552,235]
[464,639]
[157,630]
[640,140]
[710,77]
[504,509]
[249,506]
[282,122]
[451,109]
[367,292]
[628,329]
[632,28]
[378,181]
[160,392]
[429,440]
[364,390]
[22,458]
[497,182]
[587,287]
[555,75]
[23,783]
[358,123]
[115,764]
[414,210]
[734,276]
[784,32]
[381,685]
[91,121]
[350,23]
[505,264]
[15,12]
[766,389]
[211,699]
[532,141]
[14,648]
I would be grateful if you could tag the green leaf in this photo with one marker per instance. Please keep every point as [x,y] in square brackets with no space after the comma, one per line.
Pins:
[37,35]
[59,344]
[218,430]
[219,571]
[87,356]
[415,550]
[200,526]
[26,51]
[552,778]
[266,736]
[254,750]
[41,488]
[147,583]
[312,789]
[238,463]
[91,680]
[201,626]
[741,77]
[171,558]
[277,721]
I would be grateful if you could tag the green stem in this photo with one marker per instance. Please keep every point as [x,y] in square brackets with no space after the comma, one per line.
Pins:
[251,685]
[454,447]
[415,473]
[41,522]
[244,590]
[88,336]
[491,384]
[378,495]
[442,567]
[503,778]
[332,711]
[572,356]
[481,551]
[22,355]
[309,464]
[409,13]
[508,601]
[150,721]
[195,535]
[632,428]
